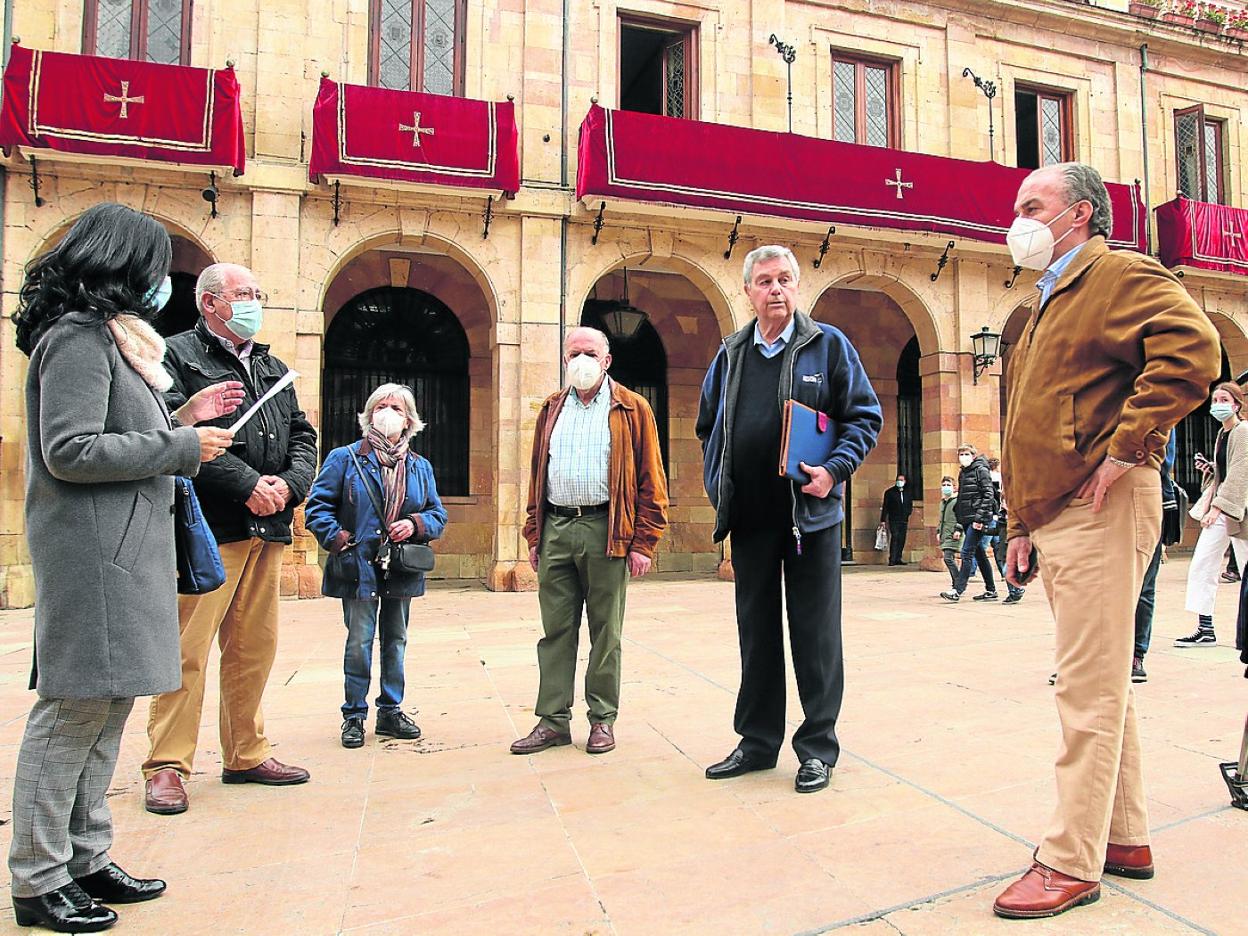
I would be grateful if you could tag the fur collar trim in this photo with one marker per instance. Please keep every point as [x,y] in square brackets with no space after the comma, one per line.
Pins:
[143,349]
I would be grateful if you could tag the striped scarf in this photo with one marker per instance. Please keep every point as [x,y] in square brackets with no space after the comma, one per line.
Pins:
[393,459]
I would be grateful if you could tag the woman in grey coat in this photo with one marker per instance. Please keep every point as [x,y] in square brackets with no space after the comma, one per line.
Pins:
[101,453]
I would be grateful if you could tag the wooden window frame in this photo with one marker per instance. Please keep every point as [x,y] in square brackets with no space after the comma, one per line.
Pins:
[1067,101]
[417,51]
[861,63]
[1219,195]
[672,27]
[138,30]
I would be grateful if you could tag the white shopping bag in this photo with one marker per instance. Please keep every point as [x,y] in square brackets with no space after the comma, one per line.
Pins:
[881,537]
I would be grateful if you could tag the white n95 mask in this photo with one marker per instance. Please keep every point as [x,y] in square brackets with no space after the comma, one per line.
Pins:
[1031,242]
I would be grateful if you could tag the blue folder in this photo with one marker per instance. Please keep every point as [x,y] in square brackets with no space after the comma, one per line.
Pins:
[806,436]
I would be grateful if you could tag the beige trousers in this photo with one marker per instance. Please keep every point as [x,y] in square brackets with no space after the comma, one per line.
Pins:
[242,614]
[1092,566]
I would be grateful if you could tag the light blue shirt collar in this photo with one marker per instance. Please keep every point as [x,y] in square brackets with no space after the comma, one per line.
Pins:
[771,350]
[1054,272]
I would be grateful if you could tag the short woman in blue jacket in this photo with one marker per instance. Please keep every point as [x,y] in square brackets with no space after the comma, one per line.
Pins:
[340,513]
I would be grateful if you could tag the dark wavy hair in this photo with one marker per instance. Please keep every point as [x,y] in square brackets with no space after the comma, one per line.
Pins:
[106,266]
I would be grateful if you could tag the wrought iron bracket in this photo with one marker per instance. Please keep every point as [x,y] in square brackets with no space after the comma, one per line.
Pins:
[34,182]
[1009,284]
[487,216]
[732,238]
[598,222]
[824,247]
[337,202]
[944,259]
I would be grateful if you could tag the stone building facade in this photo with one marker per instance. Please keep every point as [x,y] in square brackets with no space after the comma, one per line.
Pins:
[1076,65]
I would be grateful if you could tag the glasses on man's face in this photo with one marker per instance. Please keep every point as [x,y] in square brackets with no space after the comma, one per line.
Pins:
[245,294]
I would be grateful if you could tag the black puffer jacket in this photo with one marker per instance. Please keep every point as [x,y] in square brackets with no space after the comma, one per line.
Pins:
[278,440]
[977,498]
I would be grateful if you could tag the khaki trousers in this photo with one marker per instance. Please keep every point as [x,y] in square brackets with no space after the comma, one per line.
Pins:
[242,614]
[1092,566]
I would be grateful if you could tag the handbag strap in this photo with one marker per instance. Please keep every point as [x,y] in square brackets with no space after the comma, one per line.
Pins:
[368,489]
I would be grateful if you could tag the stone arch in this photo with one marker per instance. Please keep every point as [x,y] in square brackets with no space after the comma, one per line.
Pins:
[692,270]
[395,238]
[910,302]
[175,229]
[1234,340]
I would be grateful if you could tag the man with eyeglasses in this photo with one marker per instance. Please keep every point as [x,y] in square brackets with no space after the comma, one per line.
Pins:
[248,498]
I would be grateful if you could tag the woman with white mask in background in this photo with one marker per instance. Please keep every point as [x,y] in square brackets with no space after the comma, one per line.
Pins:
[1220,511]
[381,469]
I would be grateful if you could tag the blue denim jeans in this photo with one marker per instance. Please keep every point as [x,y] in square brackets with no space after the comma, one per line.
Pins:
[973,545]
[999,546]
[1144,607]
[361,617]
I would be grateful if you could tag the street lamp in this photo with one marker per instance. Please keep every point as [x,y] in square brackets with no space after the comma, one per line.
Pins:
[789,54]
[620,318]
[986,346]
[990,91]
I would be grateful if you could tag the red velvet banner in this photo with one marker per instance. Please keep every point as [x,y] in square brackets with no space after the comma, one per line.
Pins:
[407,136]
[1198,234]
[118,107]
[735,169]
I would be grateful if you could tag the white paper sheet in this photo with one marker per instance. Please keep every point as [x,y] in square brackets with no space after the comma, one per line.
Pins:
[287,379]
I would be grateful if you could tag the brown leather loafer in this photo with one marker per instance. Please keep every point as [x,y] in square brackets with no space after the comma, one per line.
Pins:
[1043,892]
[270,773]
[165,794]
[539,739]
[1130,861]
[600,740]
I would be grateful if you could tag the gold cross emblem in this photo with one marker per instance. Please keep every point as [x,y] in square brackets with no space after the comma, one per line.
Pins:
[124,99]
[897,182]
[415,129]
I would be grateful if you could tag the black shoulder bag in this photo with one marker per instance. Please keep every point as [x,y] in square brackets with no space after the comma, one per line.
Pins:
[404,558]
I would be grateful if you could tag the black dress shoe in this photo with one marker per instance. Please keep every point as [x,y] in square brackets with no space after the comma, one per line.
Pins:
[734,765]
[395,724]
[353,731]
[112,885]
[67,909]
[812,776]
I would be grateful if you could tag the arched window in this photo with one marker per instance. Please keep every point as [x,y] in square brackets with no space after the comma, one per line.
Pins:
[406,336]
[639,363]
[910,418]
[1197,432]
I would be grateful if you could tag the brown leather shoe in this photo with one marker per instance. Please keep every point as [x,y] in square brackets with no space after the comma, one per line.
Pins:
[601,739]
[270,773]
[1131,861]
[1043,892]
[165,795]
[539,739]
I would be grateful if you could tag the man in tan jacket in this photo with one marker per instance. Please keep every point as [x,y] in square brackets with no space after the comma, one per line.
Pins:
[1115,354]
[597,507]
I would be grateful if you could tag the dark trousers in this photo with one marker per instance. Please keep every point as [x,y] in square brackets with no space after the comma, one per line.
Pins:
[973,545]
[812,595]
[1144,607]
[896,540]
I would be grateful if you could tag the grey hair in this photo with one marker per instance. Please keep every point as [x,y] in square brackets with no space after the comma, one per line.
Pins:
[212,280]
[769,252]
[600,335]
[1083,183]
[404,395]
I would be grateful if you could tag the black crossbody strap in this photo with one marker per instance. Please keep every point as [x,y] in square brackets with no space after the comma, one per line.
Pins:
[368,489]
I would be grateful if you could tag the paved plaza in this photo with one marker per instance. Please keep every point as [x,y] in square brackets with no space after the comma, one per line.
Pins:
[944,784]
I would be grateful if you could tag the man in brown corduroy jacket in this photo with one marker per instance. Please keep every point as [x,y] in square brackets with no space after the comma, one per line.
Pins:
[597,507]
[1115,354]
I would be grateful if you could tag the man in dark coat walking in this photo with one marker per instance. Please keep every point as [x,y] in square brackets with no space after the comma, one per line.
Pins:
[898,505]
[977,500]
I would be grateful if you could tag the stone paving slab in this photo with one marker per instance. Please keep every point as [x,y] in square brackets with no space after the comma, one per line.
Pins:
[945,782]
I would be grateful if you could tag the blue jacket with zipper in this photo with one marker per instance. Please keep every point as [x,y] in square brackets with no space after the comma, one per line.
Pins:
[821,369]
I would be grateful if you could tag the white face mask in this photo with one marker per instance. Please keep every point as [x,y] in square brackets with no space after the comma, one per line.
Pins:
[1031,242]
[583,372]
[901,484]
[965,460]
[388,422]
